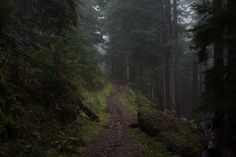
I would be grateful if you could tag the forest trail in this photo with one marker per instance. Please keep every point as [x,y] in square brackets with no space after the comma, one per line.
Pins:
[114,139]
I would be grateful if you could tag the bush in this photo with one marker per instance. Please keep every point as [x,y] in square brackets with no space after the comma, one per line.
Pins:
[177,135]
[186,144]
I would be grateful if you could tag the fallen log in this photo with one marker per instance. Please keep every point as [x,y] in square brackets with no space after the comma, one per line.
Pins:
[89,112]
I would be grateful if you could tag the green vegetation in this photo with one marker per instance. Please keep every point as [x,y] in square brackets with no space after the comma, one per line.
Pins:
[186,144]
[128,98]
[148,145]
[218,97]
[89,128]
[97,101]
[134,100]
[43,136]
[148,49]
[48,67]
[161,133]
[54,55]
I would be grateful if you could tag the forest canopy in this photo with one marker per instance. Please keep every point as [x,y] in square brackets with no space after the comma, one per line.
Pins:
[69,68]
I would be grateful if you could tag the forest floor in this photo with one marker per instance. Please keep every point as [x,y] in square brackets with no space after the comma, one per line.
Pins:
[114,139]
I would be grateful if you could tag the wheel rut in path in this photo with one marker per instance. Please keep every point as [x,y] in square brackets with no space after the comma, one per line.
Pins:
[114,140]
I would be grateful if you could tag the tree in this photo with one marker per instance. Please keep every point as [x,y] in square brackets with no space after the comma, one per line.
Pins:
[218,16]
[47,57]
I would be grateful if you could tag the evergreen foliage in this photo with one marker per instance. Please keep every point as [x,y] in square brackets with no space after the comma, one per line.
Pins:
[47,58]
[216,29]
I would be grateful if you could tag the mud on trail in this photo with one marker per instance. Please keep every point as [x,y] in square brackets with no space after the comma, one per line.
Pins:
[114,139]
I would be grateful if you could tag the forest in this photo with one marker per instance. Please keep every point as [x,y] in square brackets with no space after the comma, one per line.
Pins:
[117,78]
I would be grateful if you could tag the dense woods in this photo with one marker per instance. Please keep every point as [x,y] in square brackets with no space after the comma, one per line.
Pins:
[46,54]
[217,52]
[77,75]
[47,58]
[149,48]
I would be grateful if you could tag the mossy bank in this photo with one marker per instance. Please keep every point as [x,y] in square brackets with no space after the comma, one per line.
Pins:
[39,132]
[160,133]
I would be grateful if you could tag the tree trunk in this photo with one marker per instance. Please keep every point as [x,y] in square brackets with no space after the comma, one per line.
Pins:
[195,81]
[218,47]
[174,54]
[168,51]
[127,69]
[84,107]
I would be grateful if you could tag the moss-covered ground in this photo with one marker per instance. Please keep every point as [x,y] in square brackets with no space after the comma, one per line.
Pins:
[41,134]
[97,101]
[160,134]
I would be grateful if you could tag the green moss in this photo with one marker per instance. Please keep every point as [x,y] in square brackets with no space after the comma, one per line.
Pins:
[43,135]
[186,144]
[134,100]
[149,147]
[128,98]
[83,128]
[97,101]
[161,133]
[176,134]
[142,100]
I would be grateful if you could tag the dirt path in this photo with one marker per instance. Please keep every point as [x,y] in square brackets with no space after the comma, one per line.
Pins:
[113,140]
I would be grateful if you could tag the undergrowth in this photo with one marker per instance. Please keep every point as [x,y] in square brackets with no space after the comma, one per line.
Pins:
[160,133]
[97,101]
[148,145]
[39,133]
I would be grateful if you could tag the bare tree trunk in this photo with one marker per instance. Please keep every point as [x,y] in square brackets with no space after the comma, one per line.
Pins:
[168,51]
[127,69]
[195,81]
[164,86]
[163,41]
[174,56]
[218,54]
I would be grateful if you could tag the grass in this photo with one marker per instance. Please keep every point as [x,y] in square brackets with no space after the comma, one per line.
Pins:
[42,135]
[97,101]
[181,143]
[128,97]
[133,101]
[149,146]
[165,135]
